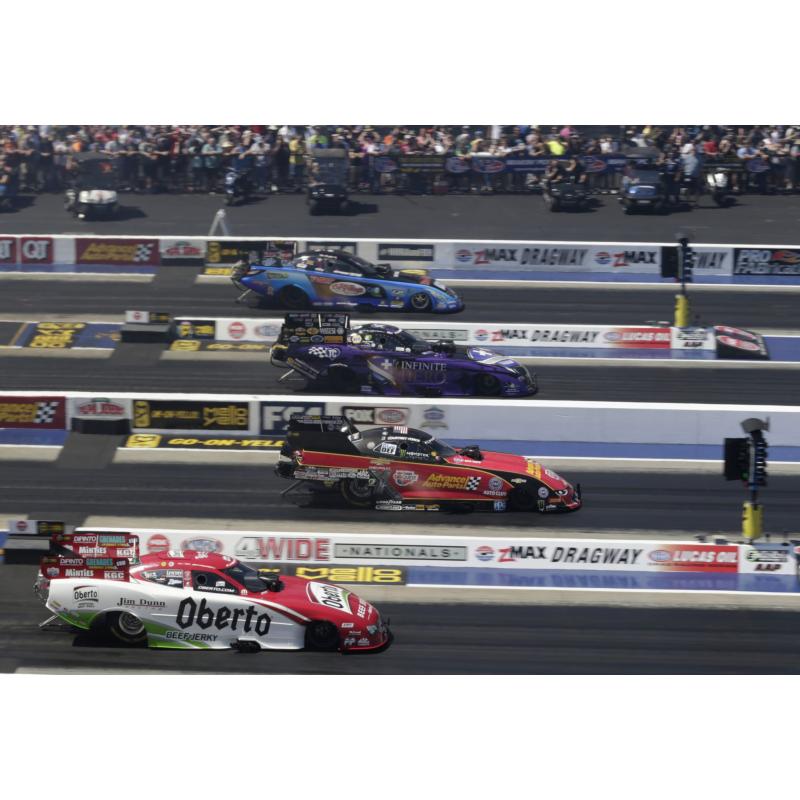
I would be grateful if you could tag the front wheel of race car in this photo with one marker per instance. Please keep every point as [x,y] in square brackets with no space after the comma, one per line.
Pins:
[342,379]
[322,635]
[357,492]
[420,302]
[486,384]
[294,298]
[523,498]
[126,627]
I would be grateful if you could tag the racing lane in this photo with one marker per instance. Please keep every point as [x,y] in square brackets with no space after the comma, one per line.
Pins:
[174,291]
[454,639]
[653,504]
[754,219]
[141,370]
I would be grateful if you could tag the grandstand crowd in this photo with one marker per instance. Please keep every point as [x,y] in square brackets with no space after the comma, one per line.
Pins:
[193,158]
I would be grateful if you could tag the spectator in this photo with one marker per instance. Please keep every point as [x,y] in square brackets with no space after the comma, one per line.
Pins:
[211,163]
[690,170]
[280,159]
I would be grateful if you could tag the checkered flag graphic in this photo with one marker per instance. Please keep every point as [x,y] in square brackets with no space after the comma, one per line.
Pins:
[142,252]
[472,483]
[46,411]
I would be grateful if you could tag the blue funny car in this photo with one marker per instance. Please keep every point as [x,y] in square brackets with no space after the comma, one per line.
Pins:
[337,279]
[322,352]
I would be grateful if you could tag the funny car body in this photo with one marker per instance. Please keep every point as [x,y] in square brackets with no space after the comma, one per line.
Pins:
[403,469]
[337,279]
[322,352]
[198,600]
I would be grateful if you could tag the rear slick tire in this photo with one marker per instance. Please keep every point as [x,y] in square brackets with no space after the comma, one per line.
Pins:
[125,627]
[357,492]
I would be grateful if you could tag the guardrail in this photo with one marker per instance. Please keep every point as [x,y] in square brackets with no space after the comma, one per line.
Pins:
[450,418]
[118,253]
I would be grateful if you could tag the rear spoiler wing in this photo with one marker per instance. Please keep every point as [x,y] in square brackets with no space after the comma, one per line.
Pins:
[314,328]
[110,569]
[91,554]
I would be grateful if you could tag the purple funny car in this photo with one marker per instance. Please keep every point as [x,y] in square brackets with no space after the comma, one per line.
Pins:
[322,352]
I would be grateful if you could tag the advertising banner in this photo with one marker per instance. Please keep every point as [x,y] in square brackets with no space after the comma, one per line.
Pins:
[550,336]
[348,247]
[275,417]
[94,407]
[359,550]
[190,415]
[767,261]
[201,329]
[38,527]
[122,252]
[550,257]
[35,250]
[8,250]
[44,411]
[224,252]
[181,252]
[421,163]
[406,252]
[230,329]
[713,260]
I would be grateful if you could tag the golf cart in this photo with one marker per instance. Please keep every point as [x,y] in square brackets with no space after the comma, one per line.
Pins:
[643,184]
[566,194]
[93,189]
[327,185]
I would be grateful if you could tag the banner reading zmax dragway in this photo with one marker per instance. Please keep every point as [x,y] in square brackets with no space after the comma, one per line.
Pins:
[549,257]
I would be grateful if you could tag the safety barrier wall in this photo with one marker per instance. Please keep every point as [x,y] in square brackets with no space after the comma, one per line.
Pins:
[477,419]
[346,552]
[106,253]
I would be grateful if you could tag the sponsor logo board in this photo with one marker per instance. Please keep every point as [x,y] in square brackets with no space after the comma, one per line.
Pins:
[275,417]
[32,412]
[400,552]
[98,408]
[182,251]
[767,261]
[406,252]
[380,415]
[191,415]
[123,252]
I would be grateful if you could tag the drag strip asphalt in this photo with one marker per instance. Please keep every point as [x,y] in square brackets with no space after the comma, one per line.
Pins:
[753,219]
[149,368]
[84,482]
[436,638]
[174,290]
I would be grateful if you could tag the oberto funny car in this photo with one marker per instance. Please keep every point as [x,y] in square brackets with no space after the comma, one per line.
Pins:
[322,352]
[196,600]
[403,469]
[337,279]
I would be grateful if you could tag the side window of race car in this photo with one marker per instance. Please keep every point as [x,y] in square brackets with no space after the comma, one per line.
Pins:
[203,581]
[164,577]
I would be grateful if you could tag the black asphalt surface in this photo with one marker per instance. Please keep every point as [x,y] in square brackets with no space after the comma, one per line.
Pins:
[174,291]
[664,504]
[451,639]
[755,219]
[138,369]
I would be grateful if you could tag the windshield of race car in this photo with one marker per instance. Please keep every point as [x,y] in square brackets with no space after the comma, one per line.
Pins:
[390,340]
[247,577]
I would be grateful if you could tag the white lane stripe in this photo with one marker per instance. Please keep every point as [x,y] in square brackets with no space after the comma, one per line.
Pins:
[616,590]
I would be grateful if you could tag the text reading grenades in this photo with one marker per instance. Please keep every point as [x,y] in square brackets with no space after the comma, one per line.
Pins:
[191,613]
